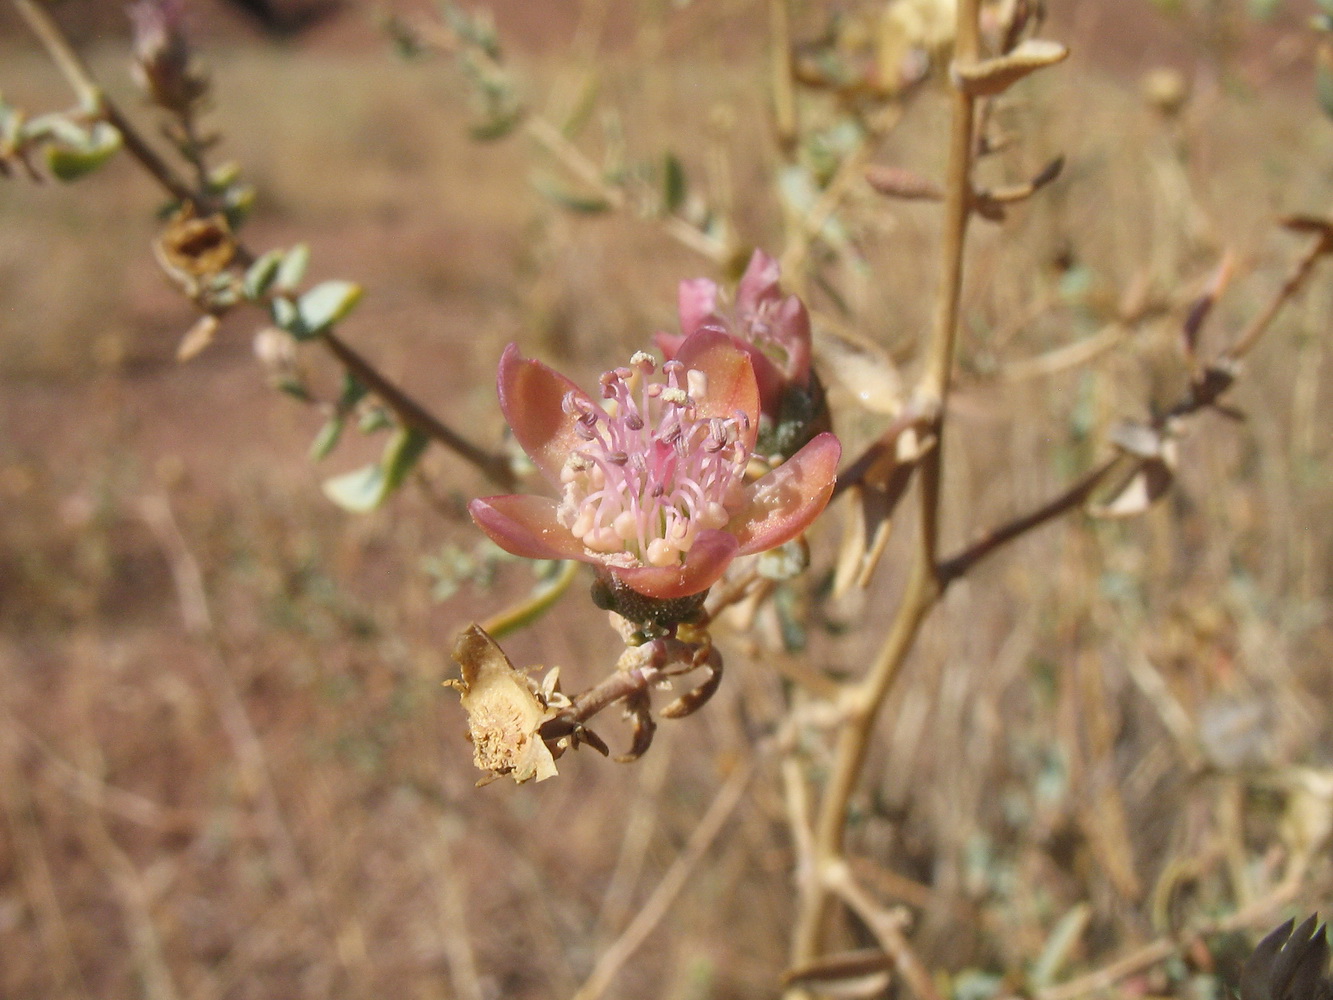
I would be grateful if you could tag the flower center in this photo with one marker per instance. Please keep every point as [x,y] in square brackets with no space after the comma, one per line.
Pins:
[652,473]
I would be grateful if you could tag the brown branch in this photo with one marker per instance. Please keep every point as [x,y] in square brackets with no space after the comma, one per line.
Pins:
[1248,337]
[494,466]
[1073,497]
[887,926]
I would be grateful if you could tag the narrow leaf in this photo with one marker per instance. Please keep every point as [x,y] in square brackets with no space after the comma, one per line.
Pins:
[292,269]
[260,276]
[673,184]
[988,77]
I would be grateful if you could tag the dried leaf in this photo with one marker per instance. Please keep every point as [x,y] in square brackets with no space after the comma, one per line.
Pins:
[899,182]
[1146,485]
[191,249]
[861,368]
[198,337]
[988,77]
[862,973]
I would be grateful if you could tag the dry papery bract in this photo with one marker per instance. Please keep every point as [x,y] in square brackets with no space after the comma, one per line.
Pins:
[505,710]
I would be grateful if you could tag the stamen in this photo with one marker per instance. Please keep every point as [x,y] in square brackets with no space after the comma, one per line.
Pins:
[651,474]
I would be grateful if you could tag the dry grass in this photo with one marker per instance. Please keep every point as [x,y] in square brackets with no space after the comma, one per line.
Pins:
[282,804]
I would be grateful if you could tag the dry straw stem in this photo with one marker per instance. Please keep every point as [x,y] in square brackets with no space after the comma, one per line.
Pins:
[411,413]
[251,759]
[923,589]
[656,905]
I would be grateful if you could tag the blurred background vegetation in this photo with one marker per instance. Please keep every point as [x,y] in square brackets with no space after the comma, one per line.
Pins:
[1123,722]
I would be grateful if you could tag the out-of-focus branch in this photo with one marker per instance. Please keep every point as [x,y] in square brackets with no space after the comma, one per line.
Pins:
[1300,273]
[411,413]
[713,821]
[549,137]
[495,467]
[90,93]
[1072,498]
[887,926]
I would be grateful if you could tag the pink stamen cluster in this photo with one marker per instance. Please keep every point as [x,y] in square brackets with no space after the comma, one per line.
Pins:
[651,472]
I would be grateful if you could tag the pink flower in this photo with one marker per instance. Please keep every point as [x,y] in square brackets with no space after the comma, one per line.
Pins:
[773,330]
[652,489]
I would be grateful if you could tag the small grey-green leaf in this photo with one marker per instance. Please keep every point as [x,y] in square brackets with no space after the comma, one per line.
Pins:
[496,127]
[1323,80]
[327,439]
[287,317]
[327,303]
[359,491]
[293,266]
[366,488]
[584,204]
[72,162]
[237,204]
[352,393]
[373,420]
[261,274]
[674,185]
[55,127]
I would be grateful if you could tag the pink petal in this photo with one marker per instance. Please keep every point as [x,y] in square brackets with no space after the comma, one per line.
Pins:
[668,343]
[532,398]
[791,331]
[731,380]
[697,299]
[759,282]
[704,564]
[769,378]
[783,503]
[526,526]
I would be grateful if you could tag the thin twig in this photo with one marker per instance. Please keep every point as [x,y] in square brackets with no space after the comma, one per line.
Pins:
[90,93]
[656,905]
[495,467]
[887,926]
[1300,273]
[1073,497]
